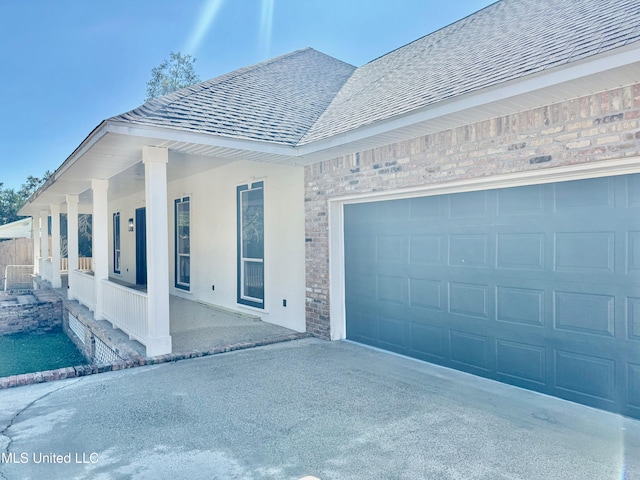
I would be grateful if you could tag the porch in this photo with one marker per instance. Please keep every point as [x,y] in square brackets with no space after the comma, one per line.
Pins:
[141,235]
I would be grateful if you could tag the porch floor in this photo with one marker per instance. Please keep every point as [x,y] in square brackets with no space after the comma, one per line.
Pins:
[195,326]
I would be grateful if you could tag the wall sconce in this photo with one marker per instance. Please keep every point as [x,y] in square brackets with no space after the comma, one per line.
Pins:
[131,224]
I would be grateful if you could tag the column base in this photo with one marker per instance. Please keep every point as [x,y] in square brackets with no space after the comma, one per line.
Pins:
[158,346]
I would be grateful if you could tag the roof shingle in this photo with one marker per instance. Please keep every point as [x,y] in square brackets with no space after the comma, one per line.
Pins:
[274,101]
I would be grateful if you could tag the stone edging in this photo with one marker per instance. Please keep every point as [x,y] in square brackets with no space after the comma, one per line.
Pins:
[137,361]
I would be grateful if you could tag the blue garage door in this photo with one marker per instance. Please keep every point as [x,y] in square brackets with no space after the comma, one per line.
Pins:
[536,286]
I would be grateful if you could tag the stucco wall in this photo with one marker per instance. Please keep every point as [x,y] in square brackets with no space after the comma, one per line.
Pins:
[213,238]
[598,127]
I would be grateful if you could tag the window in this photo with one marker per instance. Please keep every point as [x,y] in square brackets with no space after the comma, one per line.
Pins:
[183,243]
[250,202]
[116,242]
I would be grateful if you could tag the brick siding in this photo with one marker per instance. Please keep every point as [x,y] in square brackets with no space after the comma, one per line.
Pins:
[597,127]
[44,315]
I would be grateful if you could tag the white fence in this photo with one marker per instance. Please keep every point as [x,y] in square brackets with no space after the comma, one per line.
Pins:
[126,309]
[83,288]
[18,277]
[84,263]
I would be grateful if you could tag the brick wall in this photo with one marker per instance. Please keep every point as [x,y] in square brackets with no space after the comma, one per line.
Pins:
[598,127]
[41,316]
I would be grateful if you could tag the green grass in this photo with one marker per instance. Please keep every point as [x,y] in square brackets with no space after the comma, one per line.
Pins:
[33,352]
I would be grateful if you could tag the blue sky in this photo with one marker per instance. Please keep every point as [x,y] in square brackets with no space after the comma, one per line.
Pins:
[69,64]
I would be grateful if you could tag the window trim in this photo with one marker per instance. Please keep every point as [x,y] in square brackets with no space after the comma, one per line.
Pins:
[241,297]
[117,244]
[180,285]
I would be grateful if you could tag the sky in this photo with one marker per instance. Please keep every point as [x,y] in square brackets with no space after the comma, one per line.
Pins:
[69,64]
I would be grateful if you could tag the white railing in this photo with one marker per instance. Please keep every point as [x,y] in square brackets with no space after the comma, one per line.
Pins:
[18,277]
[83,288]
[84,263]
[126,309]
[46,270]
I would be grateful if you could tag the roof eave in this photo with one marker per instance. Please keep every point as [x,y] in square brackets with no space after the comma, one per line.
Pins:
[377,134]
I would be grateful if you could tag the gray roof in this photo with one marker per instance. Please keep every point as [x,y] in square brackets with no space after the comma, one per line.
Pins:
[306,96]
[504,41]
[275,101]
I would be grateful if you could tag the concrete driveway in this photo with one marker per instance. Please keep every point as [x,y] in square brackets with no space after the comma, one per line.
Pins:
[331,410]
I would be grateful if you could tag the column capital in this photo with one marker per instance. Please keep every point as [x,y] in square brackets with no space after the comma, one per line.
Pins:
[98,184]
[155,154]
[72,198]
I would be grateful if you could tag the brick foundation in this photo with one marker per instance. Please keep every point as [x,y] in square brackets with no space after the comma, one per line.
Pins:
[42,316]
[597,127]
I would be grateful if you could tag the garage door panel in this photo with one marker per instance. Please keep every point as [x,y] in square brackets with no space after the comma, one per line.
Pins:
[469,250]
[392,333]
[362,327]
[392,289]
[521,200]
[520,305]
[471,204]
[520,251]
[429,341]
[426,250]
[392,248]
[633,252]
[584,313]
[537,286]
[425,293]
[584,252]
[594,192]
[633,319]
[471,351]
[581,374]
[633,190]
[633,375]
[469,299]
[428,207]
[521,362]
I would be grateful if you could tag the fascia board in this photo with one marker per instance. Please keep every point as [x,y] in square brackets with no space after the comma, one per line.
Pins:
[172,135]
[91,139]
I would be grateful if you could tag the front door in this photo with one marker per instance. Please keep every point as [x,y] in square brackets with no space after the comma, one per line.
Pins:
[141,246]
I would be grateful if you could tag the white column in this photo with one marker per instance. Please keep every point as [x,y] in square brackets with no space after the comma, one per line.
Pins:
[56,281]
[44,236]
[155,184]
[100,235]
[72,240]
[35,236]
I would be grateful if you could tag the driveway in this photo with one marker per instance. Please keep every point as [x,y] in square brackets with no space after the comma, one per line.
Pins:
[308,407]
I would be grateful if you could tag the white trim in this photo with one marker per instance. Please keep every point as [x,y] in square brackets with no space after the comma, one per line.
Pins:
[338,320]
[186,136]
[177,284]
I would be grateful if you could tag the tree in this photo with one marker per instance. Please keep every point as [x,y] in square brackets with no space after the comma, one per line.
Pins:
[171,75]
[11,200]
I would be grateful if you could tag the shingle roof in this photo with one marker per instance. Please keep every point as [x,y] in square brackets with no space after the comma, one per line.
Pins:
[306,96]
[274,101]
[504,41]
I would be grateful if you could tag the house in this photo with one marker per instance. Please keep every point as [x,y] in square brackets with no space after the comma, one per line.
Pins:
[471,199]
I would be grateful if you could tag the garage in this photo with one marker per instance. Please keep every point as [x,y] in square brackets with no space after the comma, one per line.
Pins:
[536,286]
